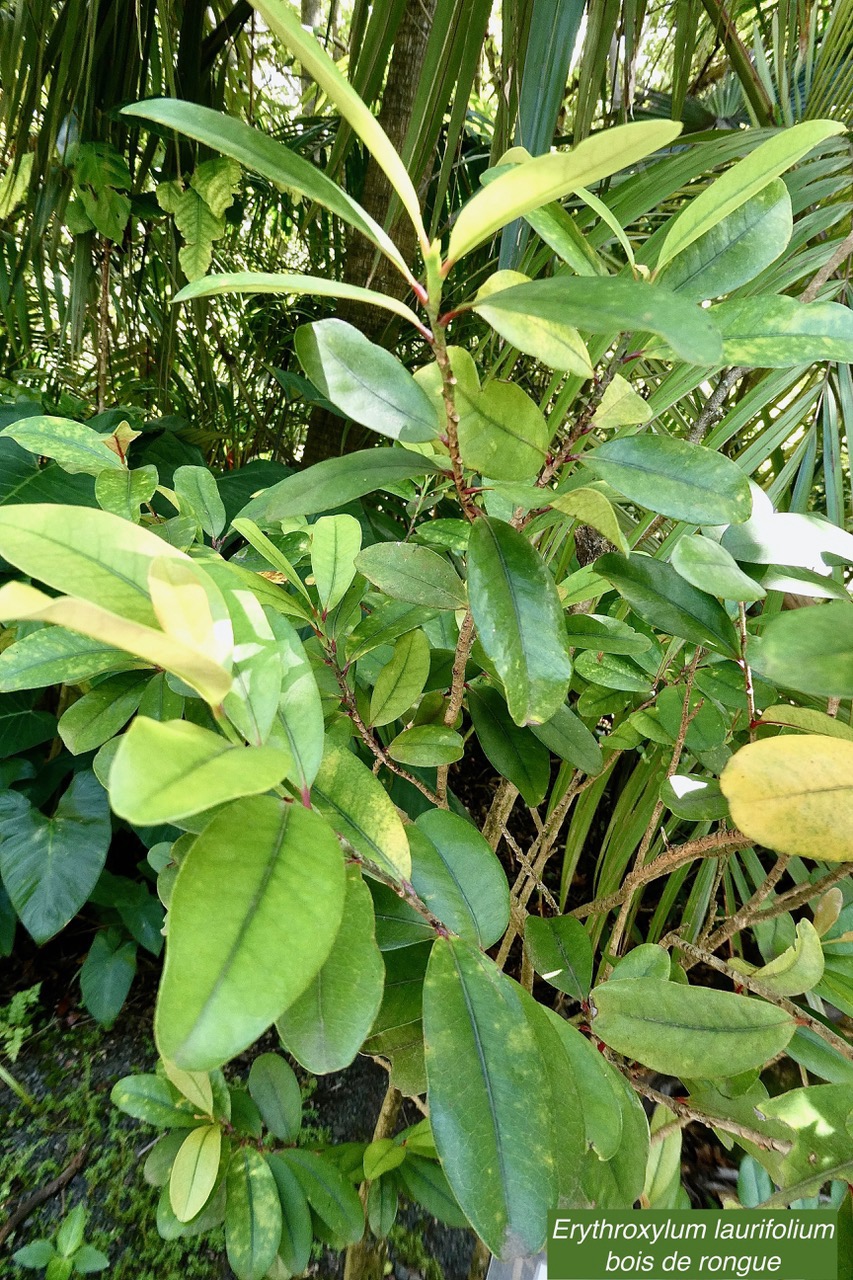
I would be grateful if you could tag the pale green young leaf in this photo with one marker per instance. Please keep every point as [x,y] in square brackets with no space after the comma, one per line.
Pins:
[194,1171]
[335,543]
[291,283]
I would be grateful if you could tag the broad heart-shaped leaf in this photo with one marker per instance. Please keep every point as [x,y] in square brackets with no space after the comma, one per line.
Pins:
[538,181]
[20,726]
[326,1026]
[74,446]
[810,650]
[412,573]
[607,304]
[773,333]
[456,873]
[360,809]
[794,794]
[676,479]
[707,565]
[263,878]
[194,1171]
[561,952]
[663,598]
[275,1091]
[335,543]
[262,154]
[51,865]
[402,679]
[519,620]
[165,771]
[335,482]
[588,506]
[557,345]
[502,431]
[107,974]
[290,283]
[364,381]
[85,553]
[742,181]
[735,250]
[252,1215]
[517,753]
[688,1031]
[488,1096]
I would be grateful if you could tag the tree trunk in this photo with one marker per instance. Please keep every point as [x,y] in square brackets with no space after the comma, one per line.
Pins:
[326,434]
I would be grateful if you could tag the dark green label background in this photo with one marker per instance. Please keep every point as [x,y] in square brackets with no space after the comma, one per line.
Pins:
[579,1258]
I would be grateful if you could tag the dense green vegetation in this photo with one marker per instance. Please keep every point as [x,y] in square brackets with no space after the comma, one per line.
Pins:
[512,749]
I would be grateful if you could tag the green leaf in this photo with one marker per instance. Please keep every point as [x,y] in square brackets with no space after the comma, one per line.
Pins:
[564,1101]
[290,283]
[106,976]
[164,772]
[620,405]
[388,620]
[607,304]
[75,447]
[794,794]
[602,1104]
[566,735]
[196,1086]
[819,1117]
[281,19]
[645,961]
[561,952]
[458,876]
[519,620]
[335,482]
[707,565]
[427,745]
[663,598]
[275,1091]
[51,865]
[297,1234]
[299,721]
[381,1156]
[194,1171]
[100,714]
[383,1202]
[149,1098]
[742,181]
[326,1026]
[605,634]
[516,753]
[335,543]
[488,1096]
[401,681]
[286,904]
[330,1195]
[736,249]
[536,182]
[364,381]
[588,506]
[359,808]
[677,479]
[502,431]
[36,1255]
[427,1185]
[696,799]
[262,154]
[557,345]
[799,968]
[123,492]
[688,1031]
[69,1237]
[806,720]
[199,497]
[88,1259]
[810,650]
[252,1215]
[773,333]
[20,726]
[611,671]
[412,573]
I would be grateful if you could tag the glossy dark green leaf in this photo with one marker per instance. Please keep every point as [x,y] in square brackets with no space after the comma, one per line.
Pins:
[688,1031]
[101,713]
[710,567]
[810,650]
[56,656]
[663,598]
[325,1027]
[773,333]
[397,924]
[360,809]
[414,574]
[253,1217]
[566,735]
[612,305]
[458,876]
[51,865]
[602,1110]
[297,1235]
[427,745]
[329,1194]
[427,1185]
[275,1091]
[604,634]
[696,799]
[365,382]
[488,1096]
[21,727]
[564,1101]
[286,904]
[612,671]
[107,974]
[519,620]
[516,753]
[560,951]
[502,431]
[677,479]
[335,482]
[397,1033]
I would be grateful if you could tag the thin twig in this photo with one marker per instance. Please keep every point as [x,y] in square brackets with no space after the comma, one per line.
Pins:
[688,1113]
[738,921]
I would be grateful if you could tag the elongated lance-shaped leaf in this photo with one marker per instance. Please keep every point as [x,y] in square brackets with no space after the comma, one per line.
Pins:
[291,282]
[282,20]
[267,157]
[538,181]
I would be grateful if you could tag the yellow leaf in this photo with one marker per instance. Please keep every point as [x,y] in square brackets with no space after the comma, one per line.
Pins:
[794,795]
[190,608]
